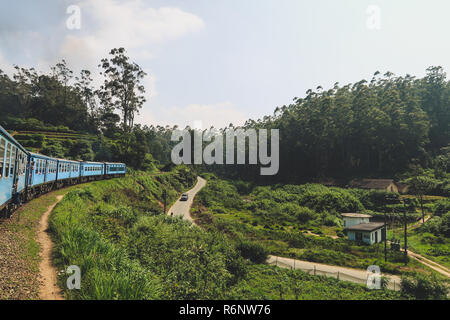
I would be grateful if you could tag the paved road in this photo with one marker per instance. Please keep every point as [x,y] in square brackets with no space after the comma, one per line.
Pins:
[182,208]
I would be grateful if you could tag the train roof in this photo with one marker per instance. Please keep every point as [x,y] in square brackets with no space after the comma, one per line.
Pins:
[115,163]
[66,160]
[10,137]
[37,155]
[92,162]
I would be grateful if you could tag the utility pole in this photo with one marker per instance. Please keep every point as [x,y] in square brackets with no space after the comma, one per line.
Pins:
[165,200]
[391,199]
[406,233]
[385,238]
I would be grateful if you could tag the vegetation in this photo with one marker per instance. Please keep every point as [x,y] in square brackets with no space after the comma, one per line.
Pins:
[297,221]
[423,287]
[60,103]
[128,249]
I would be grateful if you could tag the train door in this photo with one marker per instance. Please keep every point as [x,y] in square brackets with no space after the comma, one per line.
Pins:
[45,170]
[14,167]
[31,171]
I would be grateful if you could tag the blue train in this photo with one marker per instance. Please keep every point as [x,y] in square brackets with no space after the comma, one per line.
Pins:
[25,175]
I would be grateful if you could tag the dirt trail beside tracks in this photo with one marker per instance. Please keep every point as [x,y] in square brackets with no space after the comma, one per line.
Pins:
[49,289]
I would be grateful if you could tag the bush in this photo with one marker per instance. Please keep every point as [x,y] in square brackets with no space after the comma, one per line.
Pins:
[253,251]
[423,287]
[441,207]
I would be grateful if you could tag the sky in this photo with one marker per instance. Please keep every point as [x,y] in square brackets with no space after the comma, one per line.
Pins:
[216,62]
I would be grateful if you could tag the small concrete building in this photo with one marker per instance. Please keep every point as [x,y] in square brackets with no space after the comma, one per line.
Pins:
[370,233]
[358,227]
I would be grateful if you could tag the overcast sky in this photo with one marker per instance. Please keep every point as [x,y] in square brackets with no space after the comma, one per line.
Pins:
[222,61]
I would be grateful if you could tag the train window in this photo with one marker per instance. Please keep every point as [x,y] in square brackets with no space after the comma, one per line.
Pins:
[13,160]
[8,159]
[2,156]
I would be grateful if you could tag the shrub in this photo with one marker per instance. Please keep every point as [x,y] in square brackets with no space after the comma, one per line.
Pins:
[441,207]
[423,287]
[253,251]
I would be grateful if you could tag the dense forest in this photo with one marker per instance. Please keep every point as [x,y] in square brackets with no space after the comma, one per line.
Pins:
[379,128]
[384,127]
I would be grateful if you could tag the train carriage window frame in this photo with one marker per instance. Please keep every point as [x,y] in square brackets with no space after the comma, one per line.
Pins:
[2,156]
[8,159]
[13,160]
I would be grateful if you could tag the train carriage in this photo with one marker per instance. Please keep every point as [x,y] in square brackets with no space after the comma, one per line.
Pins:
[92,170]
[68,172]
[13,161]
[42,170]
[115,169]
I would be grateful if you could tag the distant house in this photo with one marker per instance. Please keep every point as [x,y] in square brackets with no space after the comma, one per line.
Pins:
[358,227]
[388,185]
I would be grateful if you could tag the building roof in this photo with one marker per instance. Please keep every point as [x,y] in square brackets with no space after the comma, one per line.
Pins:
[372,183]
[356,215]
[371,226]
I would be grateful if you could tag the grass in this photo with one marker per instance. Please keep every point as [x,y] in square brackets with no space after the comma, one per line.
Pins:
[434,250]
[269,282]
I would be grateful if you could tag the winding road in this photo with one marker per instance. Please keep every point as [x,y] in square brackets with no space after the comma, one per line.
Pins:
[183,208]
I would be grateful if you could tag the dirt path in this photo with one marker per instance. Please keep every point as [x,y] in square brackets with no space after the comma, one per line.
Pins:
[431,264]
[49,289]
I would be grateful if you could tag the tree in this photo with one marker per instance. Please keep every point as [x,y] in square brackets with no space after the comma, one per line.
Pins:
[122,88]
[419,186]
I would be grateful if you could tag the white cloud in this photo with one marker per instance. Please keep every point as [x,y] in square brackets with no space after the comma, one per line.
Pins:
[105,24]
[108,24]
[219,115]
